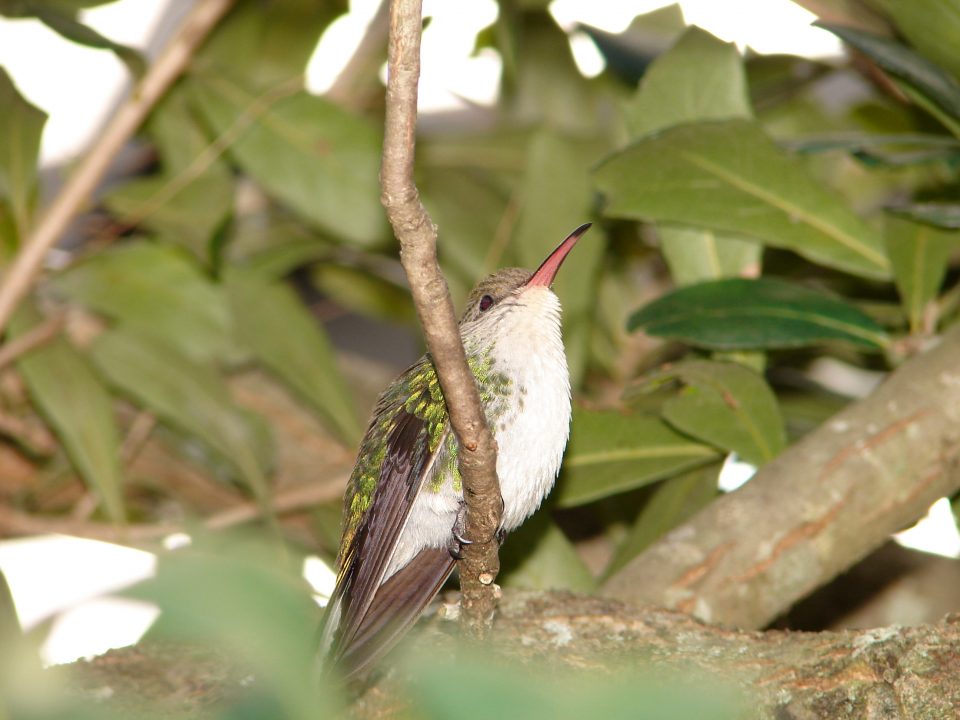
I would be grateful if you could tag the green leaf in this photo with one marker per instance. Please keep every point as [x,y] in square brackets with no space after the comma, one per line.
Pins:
[854,142]
[364,292]
[65,23]
[556,198]
[154,289]
[188,395]
[471,209]
[11,633]
[699,78]
[906,64]
[308,152]
[739,314]
[21,125]
[949,122]
[180,210]
[267,44]
[671,503]
[697,254]
[539,556]
[612,452]
[289,341]
[189,201]
[244,596]
[919,255]
[932,26]
[79,409]
[728,405]
[629,54]
[944,215]
[730,177]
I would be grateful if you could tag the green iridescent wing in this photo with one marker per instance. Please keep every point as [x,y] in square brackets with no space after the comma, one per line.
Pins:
[366,615]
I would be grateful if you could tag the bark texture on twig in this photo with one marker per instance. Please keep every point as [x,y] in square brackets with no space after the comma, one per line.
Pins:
[431,296]
[818,508]
[161,74]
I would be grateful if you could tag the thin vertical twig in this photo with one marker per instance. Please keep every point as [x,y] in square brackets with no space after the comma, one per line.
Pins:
[431,296]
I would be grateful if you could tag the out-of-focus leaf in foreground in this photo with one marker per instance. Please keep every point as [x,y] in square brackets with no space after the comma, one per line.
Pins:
[189,395]
[79,409]
[729,176]
[477,687]
[739,314]
[288,340]
[245,596]
[611,452]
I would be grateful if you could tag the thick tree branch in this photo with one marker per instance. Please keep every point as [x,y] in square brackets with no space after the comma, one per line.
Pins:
[418,254]
[894,673]
[168,67]
[813,512]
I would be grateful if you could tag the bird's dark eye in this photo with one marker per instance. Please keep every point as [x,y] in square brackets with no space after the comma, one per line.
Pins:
[485,302]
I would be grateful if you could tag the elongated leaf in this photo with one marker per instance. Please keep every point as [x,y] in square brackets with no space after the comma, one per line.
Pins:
[853,142]
[267,44]
[727,405]
[671,503]
[179,211]
[729,176]
[21,125]
[630,53]
[274,324]
[10,631]
[364,292]
[697,254]
[556,199]
[306,151]
[932,26]
[156,290]
[65,23]
[944,215]
[539,556]
[612,452]
[921,100]
[906,64]
[78,408]
[919,255]
[186,394]
[699,78]
[738,314]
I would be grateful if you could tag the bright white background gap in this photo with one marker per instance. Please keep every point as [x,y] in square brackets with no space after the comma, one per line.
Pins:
[78,87]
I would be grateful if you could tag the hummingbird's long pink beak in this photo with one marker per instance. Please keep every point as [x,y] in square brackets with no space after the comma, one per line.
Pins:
[548,268]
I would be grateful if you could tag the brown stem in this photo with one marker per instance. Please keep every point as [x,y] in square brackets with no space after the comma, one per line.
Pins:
[818,508]
[175,58]
[431,296]
[14,523]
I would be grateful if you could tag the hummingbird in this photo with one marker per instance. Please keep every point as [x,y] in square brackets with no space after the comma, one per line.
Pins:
[404,514]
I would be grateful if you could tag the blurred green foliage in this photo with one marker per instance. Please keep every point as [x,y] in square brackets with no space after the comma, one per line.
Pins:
[741,203]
